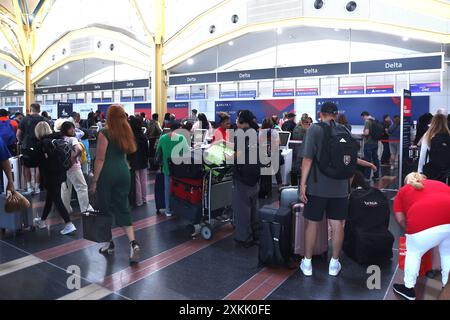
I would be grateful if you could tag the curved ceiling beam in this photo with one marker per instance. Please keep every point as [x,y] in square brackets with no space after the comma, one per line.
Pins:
[356,24]
[11,76]
[22,37]
[142,21]
[95,30]
[90,55]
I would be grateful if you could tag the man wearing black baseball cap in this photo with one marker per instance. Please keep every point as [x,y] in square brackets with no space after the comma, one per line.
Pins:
[321,193]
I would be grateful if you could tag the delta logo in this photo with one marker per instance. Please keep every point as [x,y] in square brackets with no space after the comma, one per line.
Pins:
[371,204]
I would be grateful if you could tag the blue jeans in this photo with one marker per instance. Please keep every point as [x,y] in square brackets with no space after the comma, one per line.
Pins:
[371,155]
[167,193]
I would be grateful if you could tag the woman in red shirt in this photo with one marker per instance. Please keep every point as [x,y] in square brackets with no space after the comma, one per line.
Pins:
[422,207]
[221,133]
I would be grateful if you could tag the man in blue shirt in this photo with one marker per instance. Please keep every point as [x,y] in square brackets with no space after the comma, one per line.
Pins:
[4,163]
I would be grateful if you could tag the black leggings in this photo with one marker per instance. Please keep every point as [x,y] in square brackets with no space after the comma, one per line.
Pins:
[54,196]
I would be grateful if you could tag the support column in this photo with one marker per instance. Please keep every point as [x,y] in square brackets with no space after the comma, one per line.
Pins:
[29,89]
[159,83]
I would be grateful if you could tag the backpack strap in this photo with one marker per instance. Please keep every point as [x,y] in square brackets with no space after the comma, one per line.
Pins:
[326,132]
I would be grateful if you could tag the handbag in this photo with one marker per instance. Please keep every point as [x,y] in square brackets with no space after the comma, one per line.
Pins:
[96,226]
[15,202]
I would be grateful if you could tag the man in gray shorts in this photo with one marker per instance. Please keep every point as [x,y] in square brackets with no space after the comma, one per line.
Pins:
[321,194]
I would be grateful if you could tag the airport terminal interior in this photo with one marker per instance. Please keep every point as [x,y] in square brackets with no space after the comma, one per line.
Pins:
[289,59]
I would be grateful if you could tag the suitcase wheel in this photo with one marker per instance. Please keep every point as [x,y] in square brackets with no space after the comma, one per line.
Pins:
[206,232]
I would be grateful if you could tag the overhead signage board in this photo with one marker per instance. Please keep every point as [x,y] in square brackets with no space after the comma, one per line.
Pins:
[141,83]
[314,70]
[396,65]
[246,75]
[198,96]
[351,90]
[228,94]
[68,89]
[247,94]
[380,89]
[98,86]
[425,87]
[193,79]
[302,92]
[182,96]
[283,92]
[65,109]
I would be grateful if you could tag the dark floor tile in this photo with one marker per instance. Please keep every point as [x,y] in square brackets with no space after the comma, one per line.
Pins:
[153,240]
[8,253]
[211,273]
[351,284]
[114,297]
[39,282]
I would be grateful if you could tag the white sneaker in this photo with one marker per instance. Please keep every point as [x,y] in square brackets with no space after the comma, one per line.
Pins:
[69,228]
[168,214]
[306,267]
[37,190]
[30,189]
[40,223]
[334,268]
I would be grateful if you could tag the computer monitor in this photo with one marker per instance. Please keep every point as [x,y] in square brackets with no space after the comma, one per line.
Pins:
[285,136]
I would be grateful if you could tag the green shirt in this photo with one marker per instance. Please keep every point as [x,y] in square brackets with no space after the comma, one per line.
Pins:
[368,139]
[166,144]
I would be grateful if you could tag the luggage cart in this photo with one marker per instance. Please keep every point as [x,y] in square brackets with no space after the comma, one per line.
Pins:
[216,203]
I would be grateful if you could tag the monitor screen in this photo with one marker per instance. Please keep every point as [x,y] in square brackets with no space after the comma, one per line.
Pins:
[284,138]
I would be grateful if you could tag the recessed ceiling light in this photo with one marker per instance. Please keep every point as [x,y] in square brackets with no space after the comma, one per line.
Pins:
[190,61]
[230,43]
[66,67]
[280,31]
[337,29]
[47,78]
[405,38]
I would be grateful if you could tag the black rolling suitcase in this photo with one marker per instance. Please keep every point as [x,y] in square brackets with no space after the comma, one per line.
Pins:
[160,201]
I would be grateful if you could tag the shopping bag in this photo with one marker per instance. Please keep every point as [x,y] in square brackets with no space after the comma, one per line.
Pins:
[96,226]
[427,259]
[15,202]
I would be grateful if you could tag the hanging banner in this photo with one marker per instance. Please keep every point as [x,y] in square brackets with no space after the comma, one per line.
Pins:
[376,106]
[260,108]
[179,109]
[65,109]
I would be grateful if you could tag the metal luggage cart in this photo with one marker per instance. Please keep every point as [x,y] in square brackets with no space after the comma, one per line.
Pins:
[216,203]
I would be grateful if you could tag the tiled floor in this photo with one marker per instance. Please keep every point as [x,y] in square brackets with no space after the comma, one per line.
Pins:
[174,266]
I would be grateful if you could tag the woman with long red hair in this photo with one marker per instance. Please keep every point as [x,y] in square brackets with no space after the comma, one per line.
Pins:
[112,180]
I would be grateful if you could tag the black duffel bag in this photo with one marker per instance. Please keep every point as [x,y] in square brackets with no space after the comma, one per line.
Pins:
[97,226]
[188,168]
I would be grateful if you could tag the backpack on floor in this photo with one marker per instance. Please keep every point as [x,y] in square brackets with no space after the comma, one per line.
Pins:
[275,244]
[339,153]
[377,131]
[7,132]
[439,158]
[367,237]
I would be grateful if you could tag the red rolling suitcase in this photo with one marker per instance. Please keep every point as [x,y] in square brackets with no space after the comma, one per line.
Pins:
[189,190]
[299,227]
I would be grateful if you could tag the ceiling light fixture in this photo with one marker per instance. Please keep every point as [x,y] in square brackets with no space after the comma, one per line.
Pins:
[279,31]
[66,67]
[230,43]
[405,38]
[318,4]
[190,61]
[351,6]
[337,29]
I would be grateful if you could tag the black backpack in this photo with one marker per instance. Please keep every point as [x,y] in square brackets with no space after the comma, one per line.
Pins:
[377,131]
[275,236]
[59,151]
[339,153]
[367,238]
[439,158]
